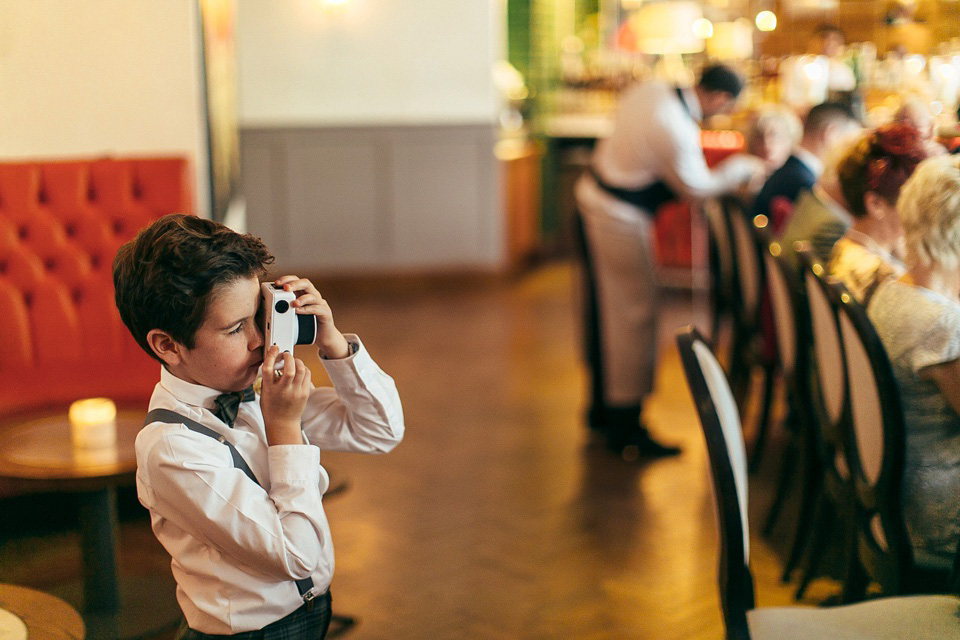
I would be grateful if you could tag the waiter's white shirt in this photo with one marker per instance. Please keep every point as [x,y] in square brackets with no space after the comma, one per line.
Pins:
[656,138]
[237,548]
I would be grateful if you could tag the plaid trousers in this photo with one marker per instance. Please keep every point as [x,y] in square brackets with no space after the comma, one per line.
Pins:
[306,623]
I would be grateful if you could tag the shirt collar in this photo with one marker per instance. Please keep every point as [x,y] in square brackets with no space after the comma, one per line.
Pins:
[693,104]
[192,394]
[811,161]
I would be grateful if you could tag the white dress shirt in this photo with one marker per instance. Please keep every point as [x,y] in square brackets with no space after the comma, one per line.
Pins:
[811,161]
[657,138]
[237,549]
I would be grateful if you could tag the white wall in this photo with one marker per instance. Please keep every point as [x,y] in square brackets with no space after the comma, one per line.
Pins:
[95,77]
[373,62]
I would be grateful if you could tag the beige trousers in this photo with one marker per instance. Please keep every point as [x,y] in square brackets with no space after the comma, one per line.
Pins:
[620,241]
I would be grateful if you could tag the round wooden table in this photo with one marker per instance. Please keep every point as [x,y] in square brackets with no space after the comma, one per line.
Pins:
[36,452]
[45,617]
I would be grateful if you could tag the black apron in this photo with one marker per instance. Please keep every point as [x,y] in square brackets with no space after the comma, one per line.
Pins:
[649,198]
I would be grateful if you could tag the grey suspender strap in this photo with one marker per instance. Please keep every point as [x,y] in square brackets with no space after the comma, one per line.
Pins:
[172,417]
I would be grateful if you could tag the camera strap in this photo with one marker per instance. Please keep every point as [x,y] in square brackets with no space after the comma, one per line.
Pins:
[167,416]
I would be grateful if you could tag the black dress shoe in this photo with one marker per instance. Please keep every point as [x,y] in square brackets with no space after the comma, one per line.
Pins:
[639,444]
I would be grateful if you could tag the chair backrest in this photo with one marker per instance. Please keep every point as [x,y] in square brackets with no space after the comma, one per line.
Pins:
[720,421]
[719,236]
[828,361]
[748,265]
[875,446]
[784,306]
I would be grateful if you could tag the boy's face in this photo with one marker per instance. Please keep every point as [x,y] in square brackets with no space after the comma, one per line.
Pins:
[228,346]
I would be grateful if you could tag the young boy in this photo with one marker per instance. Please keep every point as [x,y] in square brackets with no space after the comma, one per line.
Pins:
[233,481]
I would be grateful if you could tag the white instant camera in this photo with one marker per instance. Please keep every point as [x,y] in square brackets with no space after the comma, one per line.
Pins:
[282,325]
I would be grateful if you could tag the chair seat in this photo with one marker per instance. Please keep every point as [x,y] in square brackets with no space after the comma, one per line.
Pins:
[913,617]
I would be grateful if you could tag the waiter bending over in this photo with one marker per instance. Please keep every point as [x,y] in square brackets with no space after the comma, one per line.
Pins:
[653,156]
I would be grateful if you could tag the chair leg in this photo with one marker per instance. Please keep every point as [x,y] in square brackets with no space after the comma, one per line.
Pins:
[954,581]
[855,579]
[818,549]
[810,494]
[740,367]
[787,468]
[714,327]
[763,426]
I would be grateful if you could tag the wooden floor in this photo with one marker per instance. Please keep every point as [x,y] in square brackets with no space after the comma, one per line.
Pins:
[496,517]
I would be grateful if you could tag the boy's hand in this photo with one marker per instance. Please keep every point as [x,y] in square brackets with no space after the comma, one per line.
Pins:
[283,396]
[331,342]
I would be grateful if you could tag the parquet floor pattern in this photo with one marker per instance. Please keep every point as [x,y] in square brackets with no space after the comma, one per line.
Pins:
[497,518]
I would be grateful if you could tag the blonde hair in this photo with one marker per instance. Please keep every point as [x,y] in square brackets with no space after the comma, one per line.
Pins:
[929,211]
[916,112]
[774,116]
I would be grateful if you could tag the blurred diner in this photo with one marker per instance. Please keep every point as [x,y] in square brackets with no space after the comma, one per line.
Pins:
[871,176]
[917,316]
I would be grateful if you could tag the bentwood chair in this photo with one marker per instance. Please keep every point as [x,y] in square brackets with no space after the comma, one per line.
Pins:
[835,501]
[747,289]
[914,617]
[721,265]
[767,345]
[876,443]
[791,324]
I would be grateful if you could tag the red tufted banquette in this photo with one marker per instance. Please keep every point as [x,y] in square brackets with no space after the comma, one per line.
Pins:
[61,223]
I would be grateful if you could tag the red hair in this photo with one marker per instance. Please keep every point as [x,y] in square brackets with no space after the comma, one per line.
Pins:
[880,163]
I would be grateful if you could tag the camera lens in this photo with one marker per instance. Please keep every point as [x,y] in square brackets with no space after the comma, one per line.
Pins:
[282,306]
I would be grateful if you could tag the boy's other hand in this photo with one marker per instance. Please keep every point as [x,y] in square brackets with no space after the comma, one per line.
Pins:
[283,396]
[329,340]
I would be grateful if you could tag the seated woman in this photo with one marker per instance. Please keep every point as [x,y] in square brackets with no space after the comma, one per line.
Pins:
[870,177]
[917,317]
[771,134]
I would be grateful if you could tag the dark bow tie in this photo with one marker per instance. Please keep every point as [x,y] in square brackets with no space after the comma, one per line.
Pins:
[228,404]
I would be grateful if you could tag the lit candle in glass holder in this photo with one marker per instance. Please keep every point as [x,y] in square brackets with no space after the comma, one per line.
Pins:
[93,423]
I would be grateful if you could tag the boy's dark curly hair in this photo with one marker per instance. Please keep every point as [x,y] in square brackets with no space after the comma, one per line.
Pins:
[880,162]
[165,277]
